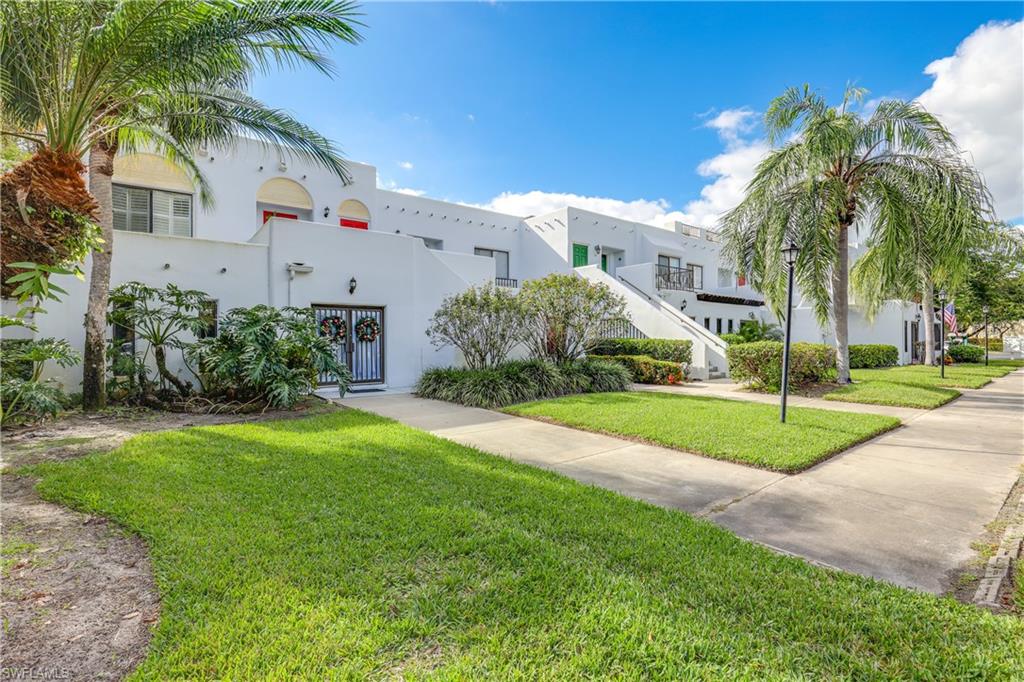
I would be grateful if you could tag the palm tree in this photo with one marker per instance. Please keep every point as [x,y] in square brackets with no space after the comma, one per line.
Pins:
[166,75]
[833,169]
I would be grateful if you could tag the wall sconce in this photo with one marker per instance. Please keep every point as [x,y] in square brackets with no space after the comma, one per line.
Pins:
[327,211]
[597,249]
[682,306]
[352,286]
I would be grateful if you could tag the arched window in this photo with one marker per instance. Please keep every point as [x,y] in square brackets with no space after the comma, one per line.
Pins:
[152,195]
[353,213]
[283,198]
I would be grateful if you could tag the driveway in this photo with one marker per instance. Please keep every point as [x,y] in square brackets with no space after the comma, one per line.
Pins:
[903,507]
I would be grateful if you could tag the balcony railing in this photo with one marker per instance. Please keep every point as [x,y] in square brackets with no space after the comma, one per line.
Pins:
[676,279]
[507,282]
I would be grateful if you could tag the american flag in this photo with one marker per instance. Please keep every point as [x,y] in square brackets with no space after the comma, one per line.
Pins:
[949,317]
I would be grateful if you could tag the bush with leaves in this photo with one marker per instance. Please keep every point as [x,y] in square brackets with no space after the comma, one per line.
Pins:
[872,355]
[760,364]
[266,354]
[679,351]
[733,338]
[24,395]
[755,330]
[565,314]
[484,322]
[646,370]
[966,353]
[521,381]
[159,317]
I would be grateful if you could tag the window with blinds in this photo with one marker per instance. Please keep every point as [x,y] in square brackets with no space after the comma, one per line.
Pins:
[153,211]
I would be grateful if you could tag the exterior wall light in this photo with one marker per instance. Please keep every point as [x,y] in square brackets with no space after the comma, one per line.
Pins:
[327,211]
[352,283]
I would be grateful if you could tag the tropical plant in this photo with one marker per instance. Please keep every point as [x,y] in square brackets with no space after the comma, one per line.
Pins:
[266,355]
[159,317]
[564,315]
[485,323]
[994,279]
[29,287]
[24,394]
[166,75]
[833,169]
[756,330]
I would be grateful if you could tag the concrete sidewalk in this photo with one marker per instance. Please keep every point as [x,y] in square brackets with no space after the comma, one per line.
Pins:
[904,507]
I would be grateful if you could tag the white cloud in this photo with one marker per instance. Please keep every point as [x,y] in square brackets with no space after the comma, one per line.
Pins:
[471,118]
[393,186]
[978,93]
[729,172]
[405,165]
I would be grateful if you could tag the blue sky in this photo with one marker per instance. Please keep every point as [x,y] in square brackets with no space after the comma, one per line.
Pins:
[466,101]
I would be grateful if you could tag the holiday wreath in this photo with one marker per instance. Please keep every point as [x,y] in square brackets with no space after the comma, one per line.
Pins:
[333,328]
[367,329]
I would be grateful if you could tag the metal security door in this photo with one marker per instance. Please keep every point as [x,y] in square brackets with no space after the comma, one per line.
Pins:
[362,345]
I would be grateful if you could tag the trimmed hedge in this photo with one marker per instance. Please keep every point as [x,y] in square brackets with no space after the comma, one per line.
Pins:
[871,355]
[670,350]
[966,353]
[994,342]
[647,370]
[760,364]
[521,381]
[734,339]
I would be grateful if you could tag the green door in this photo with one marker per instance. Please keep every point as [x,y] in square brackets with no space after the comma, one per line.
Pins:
[604,262]
[579,255]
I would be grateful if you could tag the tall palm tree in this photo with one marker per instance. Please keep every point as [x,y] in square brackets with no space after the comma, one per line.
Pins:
[833,169]
[168,75]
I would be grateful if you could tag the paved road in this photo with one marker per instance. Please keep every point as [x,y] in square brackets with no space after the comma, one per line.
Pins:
[904,507]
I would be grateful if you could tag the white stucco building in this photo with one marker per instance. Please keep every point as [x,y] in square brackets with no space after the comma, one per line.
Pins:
[285,232]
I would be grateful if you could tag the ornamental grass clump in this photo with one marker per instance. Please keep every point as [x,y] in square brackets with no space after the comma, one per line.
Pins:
[759,364]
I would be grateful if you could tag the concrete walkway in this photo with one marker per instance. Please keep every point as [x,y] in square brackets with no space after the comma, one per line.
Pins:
[904,507]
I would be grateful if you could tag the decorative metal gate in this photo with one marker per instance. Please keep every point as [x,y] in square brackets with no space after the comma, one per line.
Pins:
[362,348]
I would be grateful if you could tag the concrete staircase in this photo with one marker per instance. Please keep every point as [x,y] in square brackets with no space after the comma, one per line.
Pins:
[657,319]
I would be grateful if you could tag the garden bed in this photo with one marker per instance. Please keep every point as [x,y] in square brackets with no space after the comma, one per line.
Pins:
[347,545]
[734,430]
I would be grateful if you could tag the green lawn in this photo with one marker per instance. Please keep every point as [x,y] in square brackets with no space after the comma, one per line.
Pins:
[349,546]
[735,430]
[918,385]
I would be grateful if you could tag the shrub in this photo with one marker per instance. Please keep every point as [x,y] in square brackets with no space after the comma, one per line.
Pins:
[679,351]
[646,370]
[732,339]
[564,315]
[755,330]
[994,343]
[966,353]
[485,323]
[869,355]
[760,364]
[520,381]
[266,354]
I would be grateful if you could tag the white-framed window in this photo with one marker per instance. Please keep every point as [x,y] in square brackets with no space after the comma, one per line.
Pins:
[500,260]
[724,278]
[137,209]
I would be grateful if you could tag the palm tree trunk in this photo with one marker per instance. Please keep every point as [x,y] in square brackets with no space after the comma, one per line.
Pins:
[101,174]
[841,304]
[928,320]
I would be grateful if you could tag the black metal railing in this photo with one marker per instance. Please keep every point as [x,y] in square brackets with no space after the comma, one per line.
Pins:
[620,328]
[676,279]
[507,282]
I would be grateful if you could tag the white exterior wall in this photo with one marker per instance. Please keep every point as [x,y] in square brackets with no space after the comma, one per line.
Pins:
[392,266]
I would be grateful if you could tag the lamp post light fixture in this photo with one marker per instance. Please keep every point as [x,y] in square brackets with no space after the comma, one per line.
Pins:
[789,254]
[985,310]
[942,333]
[352,286]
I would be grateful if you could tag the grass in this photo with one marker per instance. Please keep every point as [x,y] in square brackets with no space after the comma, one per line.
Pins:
[918,385]
[734,430]
[349,546]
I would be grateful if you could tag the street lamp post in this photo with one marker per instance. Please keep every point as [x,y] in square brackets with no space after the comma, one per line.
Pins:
[789,254]
[942,333]
[985,311]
